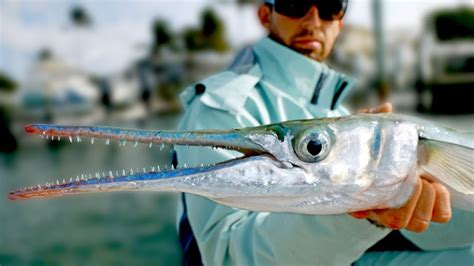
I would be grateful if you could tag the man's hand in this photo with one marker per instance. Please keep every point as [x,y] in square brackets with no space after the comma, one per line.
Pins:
[431,202]
[383,108]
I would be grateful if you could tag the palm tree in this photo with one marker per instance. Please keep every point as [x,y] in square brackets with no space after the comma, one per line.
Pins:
[80,19]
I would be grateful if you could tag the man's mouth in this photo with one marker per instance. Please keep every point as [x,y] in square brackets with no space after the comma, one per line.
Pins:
[307,44]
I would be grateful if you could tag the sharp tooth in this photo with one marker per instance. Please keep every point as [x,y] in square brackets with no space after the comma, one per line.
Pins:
[138,171]
[47,137]
[107,141]
[70,139]
[131,171]
[70,180]
[110,174]
[59,138]
[97,175]
[116,173]
[202,165]
[172,167]
[90,176]
[103,174]
[144,170]
[64,181]
[123,143]
[52,137]
[136,144]
[158,167]
[185,166]
[153,169]
[77,179]
[39,187]
[57,182]
[151,143]
[162,146]
[78,139]
[92,140]
[123,172]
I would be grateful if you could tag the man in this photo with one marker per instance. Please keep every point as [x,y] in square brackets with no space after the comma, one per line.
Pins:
[282,78]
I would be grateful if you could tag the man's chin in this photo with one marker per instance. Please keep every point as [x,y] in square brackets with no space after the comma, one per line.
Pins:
[315,55]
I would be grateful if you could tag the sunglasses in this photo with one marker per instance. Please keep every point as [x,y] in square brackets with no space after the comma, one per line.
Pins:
[328,9]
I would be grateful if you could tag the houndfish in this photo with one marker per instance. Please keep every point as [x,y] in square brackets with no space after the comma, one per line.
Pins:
[317,166]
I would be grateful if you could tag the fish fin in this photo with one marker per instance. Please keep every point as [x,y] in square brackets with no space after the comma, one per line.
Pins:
[448,163]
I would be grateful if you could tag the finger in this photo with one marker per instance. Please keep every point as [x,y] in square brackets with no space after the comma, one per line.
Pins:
[421,217]
[383,108]
[398,218]
[442,207]
[360,214]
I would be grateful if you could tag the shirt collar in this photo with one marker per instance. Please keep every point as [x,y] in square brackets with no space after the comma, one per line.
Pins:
[297,74]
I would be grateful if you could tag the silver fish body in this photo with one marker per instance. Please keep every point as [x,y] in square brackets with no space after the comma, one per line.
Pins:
[322,166]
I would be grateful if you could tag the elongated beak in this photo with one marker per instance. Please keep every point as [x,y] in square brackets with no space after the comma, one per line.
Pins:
[242,140]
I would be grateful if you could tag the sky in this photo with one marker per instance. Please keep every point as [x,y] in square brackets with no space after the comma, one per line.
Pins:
[121,28]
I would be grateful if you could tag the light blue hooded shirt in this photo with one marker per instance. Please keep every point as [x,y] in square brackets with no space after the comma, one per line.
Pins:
[269,83]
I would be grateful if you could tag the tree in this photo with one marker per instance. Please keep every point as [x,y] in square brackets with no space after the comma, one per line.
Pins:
[44,54]
[210,35]
[162,36]
[248,2]
[80,17]
[213,30]
[454,24]
[6,83]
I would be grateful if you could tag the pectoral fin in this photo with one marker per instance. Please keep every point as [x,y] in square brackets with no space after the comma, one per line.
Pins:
[451,164]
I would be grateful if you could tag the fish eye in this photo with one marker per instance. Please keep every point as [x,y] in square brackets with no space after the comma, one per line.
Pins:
[312,147]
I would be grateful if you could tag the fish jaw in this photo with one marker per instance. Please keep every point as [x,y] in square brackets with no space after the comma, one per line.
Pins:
[202,180]
[234,139]
[238,140]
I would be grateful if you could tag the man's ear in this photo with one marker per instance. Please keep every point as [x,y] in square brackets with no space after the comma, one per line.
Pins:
[341,24]
[264,15]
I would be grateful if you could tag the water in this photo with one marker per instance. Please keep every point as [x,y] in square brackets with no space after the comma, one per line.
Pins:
[94,229]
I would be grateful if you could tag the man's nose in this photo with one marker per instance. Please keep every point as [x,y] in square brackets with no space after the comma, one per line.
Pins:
[312,19]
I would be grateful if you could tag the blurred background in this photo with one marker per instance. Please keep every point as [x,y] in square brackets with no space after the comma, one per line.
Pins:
[123,63]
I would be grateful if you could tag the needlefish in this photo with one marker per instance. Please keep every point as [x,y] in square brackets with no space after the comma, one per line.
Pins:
[319,166]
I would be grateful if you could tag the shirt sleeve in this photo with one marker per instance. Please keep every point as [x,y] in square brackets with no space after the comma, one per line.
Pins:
[228,236]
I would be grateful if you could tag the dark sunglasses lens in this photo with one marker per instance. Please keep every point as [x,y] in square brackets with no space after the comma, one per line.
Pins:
[328,9]
[331,10]
[294,9]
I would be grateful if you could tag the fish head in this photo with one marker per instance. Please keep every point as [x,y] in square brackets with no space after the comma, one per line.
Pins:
[357,160]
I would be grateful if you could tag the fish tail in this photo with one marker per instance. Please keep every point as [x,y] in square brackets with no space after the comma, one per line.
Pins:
[452,165]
